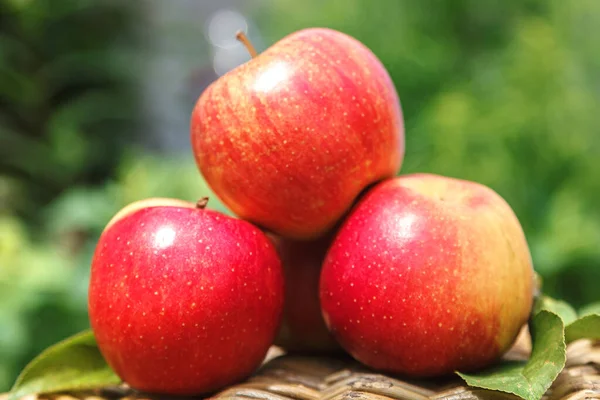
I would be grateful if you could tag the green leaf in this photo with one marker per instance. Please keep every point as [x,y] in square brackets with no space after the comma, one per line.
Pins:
[558,307]
[593,308]
[586,327]
[75,363]
[529,380]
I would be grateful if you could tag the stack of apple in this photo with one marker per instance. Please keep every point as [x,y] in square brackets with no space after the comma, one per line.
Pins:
[418,275]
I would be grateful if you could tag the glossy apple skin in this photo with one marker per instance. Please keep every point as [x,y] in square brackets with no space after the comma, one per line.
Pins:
[289,139]
[428,275]
[183,300]
[303,329]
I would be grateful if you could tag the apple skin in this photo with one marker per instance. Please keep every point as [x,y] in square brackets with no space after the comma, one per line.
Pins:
[289,139]
[184,300]
[303,329]
[428,275]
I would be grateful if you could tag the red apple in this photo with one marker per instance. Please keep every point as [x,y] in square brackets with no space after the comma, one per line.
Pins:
[303,329]
[183,300]
[289,139]
[428,275]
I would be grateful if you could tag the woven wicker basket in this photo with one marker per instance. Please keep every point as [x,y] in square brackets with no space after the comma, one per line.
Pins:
[310,378]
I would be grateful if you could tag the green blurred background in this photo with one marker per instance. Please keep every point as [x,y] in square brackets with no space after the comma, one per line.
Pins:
[95,98]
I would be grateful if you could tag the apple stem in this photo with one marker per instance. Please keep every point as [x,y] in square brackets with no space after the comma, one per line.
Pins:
[200,204]
[241,36]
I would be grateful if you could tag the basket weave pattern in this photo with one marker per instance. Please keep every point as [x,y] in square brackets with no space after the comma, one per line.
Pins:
[307,378]
[285,377]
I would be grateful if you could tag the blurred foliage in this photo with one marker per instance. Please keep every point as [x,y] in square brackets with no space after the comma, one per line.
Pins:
[66,111]
[501,92]
[66,102]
